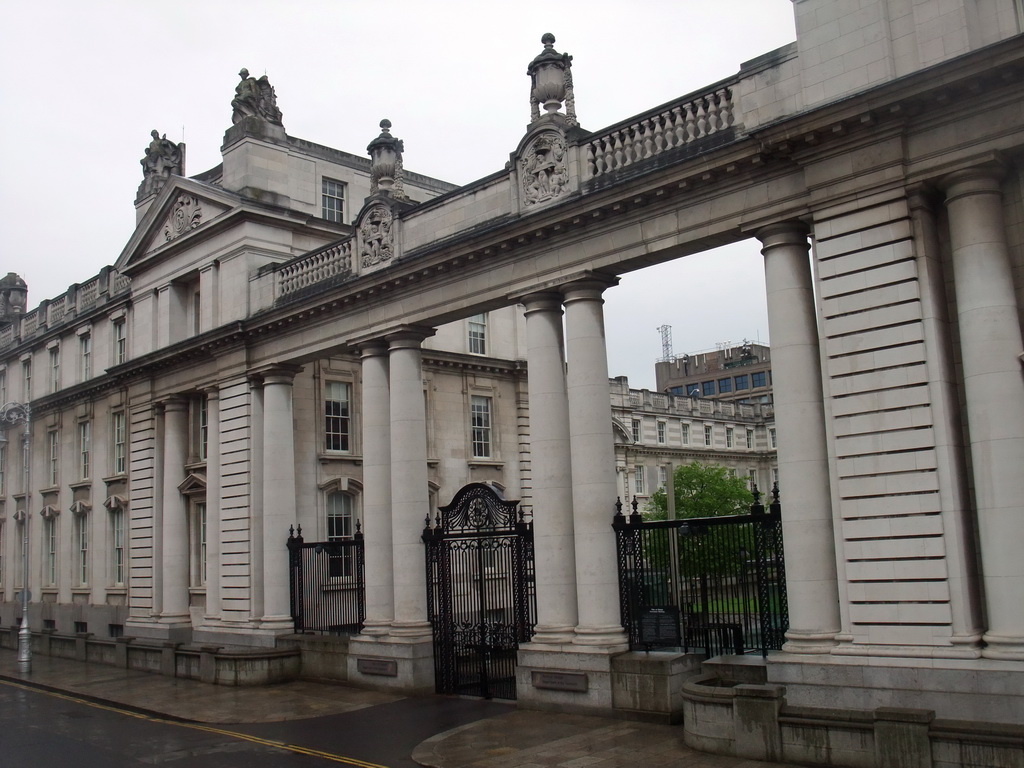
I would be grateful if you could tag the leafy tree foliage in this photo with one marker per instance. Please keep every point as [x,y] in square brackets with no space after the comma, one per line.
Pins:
[702,490]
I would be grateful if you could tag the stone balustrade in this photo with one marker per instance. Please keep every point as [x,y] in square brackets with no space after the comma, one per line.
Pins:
[332,261]
[670,127]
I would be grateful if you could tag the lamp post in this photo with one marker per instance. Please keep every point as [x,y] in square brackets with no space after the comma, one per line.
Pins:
[14,413]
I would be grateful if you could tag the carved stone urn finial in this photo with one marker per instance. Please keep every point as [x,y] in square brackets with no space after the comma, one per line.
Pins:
[551,82]
[386,162]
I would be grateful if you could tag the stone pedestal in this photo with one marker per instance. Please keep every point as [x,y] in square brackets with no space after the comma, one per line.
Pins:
[399,664]
[565,678]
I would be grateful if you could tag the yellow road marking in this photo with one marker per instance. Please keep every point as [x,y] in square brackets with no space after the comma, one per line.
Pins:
[200,727]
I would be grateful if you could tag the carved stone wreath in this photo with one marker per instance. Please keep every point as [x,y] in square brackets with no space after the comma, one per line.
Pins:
[543,173]
[376,240]
[186,214]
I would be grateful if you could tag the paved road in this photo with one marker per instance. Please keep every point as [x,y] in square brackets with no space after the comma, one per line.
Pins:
[58,730]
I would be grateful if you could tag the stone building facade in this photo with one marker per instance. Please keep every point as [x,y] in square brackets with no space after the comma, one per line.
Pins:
[739,373]
[877,162]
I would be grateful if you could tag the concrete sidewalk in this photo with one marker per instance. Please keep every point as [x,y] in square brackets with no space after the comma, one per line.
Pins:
[518,739]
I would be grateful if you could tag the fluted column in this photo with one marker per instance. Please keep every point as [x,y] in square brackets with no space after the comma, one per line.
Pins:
[173,563]
[278,494]
[213,486]
[593,466]
[551,469]
[991,348]
[410,496]
[377,537]
[802,453]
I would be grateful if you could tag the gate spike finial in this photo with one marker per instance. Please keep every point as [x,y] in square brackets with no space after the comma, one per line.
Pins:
[426,521]
[618,508]
[635,504]
[299,531]
[359,526]
[757,494]
[291,531]
[775,493]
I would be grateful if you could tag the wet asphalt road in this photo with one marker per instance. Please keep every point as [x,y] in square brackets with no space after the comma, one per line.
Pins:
[41,729]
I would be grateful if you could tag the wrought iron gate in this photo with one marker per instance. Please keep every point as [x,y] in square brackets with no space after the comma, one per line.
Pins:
[326,584]
[716,584]
[481,593]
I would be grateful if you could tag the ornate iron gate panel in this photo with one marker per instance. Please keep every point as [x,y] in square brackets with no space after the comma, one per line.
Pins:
[716,584]
[481,592]
[327,584]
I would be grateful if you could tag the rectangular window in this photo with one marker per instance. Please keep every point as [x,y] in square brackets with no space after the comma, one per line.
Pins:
[750,439]
[3,386]
[742,382]
[759,379]
[195,306]
[639,480]
[729,437]
[333,200]
[725,385]
[53,463]
[85,355]
[118,427]
[662,476]
[50,550]
[339,528]
[661,432]
[637,425]
[84,443]
[480,414]
[117,548]
[337,416]
[775,476]
[771,438]
[81,528]
[478,334]
[684,430]
[26,376]
[198,541]
[707,435]
[3,471]
[707,388]
[752,479]
[120,341]
[201,420]
[54,369]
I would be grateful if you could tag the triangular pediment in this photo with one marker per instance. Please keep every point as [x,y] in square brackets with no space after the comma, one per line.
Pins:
[194,483]
[182,210]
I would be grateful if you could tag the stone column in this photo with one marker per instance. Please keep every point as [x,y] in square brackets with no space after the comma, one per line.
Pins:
[173,564]
[592,451]
[802,454]
[410,496]
[555,557]
[377,538]
[213,479]
[278,494]
[991,348]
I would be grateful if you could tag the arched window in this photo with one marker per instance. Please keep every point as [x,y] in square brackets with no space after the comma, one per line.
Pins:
[340,528]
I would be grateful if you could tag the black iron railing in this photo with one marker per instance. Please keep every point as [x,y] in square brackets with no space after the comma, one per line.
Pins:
[327,584]
[711,584]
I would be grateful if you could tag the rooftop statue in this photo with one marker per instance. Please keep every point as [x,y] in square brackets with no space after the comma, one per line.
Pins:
[255,98]
[163,157]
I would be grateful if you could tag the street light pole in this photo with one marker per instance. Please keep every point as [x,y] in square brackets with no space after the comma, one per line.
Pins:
[13,413]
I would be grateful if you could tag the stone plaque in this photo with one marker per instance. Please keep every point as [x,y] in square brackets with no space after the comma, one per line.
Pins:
[561,681]
[659,625]
[382,667]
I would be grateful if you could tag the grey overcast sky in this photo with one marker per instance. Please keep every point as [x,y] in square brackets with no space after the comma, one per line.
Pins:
[83,83]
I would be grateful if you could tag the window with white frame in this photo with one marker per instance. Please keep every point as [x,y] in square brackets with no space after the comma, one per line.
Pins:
[118,425]
[684,430]
[200,427]
[340,517]
[708,435]
[639,479]
[480,426]
[662,476]
[338,416]
[81,534]
[662,428]
[117,561]
[26,379]
[120,339]
[478,334]
[752,478]
[637,430]
[771,438]
[729,437]
[55,368]
[50,550]
[53,460]
[197,542]
[84,447]
[750,439]
[332,199]
[85,355]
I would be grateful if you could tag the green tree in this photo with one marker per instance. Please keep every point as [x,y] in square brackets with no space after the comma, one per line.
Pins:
[702,490]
